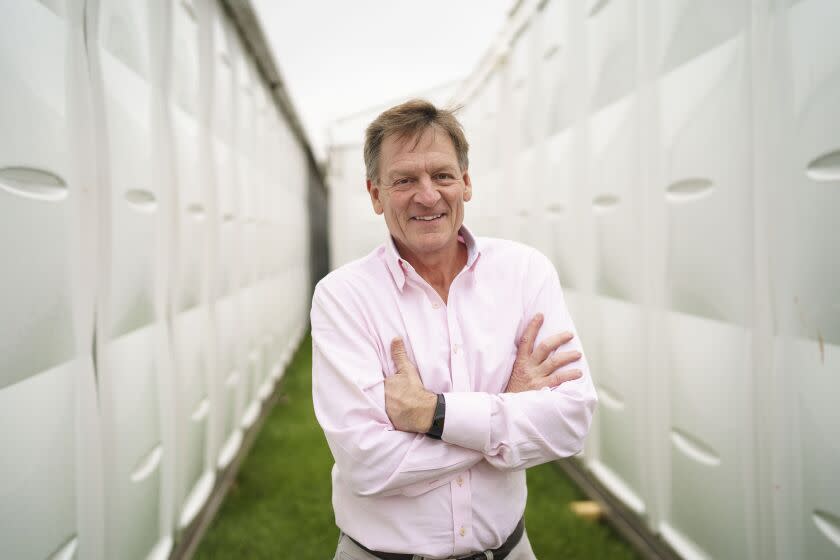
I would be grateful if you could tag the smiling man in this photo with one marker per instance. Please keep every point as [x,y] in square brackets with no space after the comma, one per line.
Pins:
[444,364]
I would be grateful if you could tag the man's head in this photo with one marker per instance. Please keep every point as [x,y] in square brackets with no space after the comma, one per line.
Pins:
[417,175]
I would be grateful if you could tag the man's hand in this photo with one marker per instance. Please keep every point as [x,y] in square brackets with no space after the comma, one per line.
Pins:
[409,406]
[537,368]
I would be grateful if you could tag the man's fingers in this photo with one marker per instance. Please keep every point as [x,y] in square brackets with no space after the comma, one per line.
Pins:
[526,344]
[558,360]
[550,344]
[559,377]
[398,354]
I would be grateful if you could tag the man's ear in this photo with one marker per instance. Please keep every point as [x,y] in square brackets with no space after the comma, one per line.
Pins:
[467,186]
[373,191]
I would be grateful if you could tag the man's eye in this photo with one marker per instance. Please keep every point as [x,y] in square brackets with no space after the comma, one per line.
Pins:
[403,181]
[444,176]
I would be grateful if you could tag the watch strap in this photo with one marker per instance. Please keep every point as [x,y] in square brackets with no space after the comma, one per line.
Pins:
[436,431]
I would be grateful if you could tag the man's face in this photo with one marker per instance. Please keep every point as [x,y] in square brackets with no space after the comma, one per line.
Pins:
[421,191]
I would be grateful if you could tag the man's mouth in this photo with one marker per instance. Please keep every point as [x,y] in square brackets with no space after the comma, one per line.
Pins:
[430,218]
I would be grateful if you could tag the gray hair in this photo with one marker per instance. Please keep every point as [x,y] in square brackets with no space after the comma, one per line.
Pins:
[408,120]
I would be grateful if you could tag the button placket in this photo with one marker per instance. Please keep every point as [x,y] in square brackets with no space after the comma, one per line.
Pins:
[460,377]
[462,514]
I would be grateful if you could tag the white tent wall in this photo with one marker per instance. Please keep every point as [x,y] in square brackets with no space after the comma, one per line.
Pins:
[51,499]
[150,301]
[682,181]
[801,201]
[131,265]
[354,228]
[228,143]
[679,162]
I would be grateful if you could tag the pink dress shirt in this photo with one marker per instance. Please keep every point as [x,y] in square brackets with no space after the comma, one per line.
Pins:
[404,492]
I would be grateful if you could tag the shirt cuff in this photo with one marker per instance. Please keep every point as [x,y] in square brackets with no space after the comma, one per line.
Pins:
[467,421]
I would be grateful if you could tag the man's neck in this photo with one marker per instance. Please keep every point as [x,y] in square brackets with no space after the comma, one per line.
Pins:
[438,269]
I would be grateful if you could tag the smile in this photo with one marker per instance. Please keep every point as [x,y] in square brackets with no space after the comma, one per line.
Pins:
[428,218]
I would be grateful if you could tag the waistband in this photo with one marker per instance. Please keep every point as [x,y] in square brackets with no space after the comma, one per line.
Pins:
[495,554]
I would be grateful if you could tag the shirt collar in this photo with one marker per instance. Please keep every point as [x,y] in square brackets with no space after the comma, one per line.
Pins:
[398,266]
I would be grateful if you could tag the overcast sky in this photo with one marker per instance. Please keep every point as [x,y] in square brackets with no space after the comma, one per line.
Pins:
[339,57]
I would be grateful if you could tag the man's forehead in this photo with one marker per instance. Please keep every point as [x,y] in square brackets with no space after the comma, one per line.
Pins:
[432,144]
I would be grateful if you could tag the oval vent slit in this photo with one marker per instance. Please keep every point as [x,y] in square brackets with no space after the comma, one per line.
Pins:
[196,211]
[33,183]
[694,448]
[148,464]
[828,524]
[825,168]
[200,412]
[557,208]
[688,190]
[67,550]
[141,200]
[604,203]
[597,7]
[610,398]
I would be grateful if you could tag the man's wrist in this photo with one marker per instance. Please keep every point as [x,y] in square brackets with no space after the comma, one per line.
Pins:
[426,411]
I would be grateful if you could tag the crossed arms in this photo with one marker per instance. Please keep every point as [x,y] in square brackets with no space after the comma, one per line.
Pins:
[374,425]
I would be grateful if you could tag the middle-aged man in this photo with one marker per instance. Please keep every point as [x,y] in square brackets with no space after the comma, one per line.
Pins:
[442,362]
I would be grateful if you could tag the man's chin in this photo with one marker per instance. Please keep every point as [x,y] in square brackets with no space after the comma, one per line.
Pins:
[429,243]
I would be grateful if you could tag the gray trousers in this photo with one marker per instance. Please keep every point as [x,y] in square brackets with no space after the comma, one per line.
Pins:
[348,550]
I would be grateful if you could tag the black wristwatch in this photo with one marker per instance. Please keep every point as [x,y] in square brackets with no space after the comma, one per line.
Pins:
[436,431]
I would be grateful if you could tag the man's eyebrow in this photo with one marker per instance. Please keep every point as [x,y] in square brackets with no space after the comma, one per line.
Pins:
[411,171]
[399,172]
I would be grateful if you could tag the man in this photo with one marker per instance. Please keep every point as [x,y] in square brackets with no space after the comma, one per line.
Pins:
[433,379]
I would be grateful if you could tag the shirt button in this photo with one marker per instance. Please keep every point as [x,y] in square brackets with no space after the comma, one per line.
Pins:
[460,481]
[455,349]
[462,532]
[435,305]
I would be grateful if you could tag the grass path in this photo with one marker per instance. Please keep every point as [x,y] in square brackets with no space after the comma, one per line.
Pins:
[279,506]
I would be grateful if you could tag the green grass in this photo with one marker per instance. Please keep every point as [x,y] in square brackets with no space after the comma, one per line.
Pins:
[279,506]
[555,531]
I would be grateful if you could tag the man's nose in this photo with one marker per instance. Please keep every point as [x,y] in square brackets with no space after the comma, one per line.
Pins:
[427,195]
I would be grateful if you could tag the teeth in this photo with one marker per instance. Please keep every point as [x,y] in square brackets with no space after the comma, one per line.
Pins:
[428,218]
